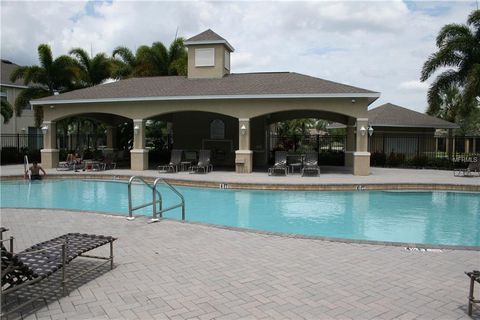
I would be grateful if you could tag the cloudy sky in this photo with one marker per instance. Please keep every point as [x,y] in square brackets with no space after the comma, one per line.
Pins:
[377,45]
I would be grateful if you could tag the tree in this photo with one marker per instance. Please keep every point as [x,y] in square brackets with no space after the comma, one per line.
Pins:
[6,111]
[91,71]
[459,51]
[155,60]
[53,75]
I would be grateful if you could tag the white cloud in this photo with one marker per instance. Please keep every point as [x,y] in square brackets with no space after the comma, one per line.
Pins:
[414,85]
[378,45]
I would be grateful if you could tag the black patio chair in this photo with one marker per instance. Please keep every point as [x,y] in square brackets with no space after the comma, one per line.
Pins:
[175,161]
[474,277]
[41,260]
[310,166]
[204,165]
[280,165]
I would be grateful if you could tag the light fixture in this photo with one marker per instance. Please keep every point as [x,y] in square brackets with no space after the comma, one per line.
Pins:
[45,129]
[52,107]
[23,130]
[363,131]
[136,129]
[353,100]
[243,130]
[370,130]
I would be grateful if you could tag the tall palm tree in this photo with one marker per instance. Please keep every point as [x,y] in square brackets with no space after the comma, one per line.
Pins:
[459,51]
[450,106]
[149,61]
[6,110]
[92,71]
[53,75]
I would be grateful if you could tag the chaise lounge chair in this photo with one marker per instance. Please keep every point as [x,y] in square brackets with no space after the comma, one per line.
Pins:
[474,277]
[204,165]
[473,170]
[311,165]
[44,259]
[280,165]
[175,161]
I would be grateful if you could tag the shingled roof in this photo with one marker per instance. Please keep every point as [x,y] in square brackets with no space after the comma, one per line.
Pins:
[390,115]
[208,37]
[395,116]
[7,69]
[232,86]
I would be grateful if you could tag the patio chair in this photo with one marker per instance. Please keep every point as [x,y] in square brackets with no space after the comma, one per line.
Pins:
[68,164]
[472,170]
[474,277]
[174,164]
[40,261]
[311,165]
[280,165]
[204,165]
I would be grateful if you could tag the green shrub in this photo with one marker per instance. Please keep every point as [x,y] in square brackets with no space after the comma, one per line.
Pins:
[378,159]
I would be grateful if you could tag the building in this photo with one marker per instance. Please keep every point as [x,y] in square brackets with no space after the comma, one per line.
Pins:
[10,91]
[213,108]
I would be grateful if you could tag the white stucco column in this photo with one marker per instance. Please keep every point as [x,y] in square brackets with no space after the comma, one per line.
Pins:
[243,156]
[49,153]
[139,155]
[350,143]
[361,156]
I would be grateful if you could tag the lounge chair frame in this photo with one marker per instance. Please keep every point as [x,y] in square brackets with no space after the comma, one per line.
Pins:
[311,165]
[174,164]
[20,274]
[280,165]
[204,164]
[474,277]
[473,170]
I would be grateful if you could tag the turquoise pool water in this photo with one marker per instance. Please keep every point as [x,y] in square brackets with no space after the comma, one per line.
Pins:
[449,218]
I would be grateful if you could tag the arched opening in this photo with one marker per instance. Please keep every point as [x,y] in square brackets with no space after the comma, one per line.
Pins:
[192,131]
[299,132]
[95,136]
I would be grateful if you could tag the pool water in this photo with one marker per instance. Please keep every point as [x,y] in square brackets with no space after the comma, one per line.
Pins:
[428,217]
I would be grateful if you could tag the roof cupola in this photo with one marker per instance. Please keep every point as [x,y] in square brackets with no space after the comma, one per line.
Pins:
[208,55]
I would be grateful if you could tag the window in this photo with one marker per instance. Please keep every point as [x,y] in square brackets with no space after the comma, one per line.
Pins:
[227,60]
[205,57]
[217,129]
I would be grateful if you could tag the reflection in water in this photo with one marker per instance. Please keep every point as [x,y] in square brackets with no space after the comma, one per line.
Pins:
[414,217]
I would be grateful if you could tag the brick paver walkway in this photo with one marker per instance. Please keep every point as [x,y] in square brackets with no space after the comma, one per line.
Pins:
[174,270]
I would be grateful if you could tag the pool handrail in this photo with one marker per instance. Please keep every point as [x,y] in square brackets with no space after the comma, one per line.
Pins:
[182,199]
[153,203]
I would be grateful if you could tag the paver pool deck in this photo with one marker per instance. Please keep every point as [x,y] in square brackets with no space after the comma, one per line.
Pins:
[175,270]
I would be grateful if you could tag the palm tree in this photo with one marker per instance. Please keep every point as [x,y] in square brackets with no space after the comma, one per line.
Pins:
[53,75]
[459,50]
[449,106]
[155,60]
[6,110]
[92,71]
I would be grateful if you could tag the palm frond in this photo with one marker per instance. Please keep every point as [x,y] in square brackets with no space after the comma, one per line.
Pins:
[452,31]
[29,94]
[45,56]
[125,55]
[6,110]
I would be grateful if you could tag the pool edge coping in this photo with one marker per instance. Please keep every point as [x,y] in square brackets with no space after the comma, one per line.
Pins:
[273,233]
[270,186]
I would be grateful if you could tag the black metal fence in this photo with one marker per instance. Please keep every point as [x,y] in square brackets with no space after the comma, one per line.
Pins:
[299,143]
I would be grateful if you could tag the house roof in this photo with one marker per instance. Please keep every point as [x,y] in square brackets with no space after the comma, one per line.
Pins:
[7,67]
[390,115]
[208,37]
[232,86]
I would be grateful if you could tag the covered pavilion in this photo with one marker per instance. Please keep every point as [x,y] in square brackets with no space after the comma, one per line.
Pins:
[212,108]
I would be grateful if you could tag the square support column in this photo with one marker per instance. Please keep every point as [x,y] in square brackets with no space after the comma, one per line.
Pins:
[49,153]
[350,143]
[139,155]
[361,156]
[243,156]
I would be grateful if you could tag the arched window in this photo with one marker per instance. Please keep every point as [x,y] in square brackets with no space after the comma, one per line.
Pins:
[217,129]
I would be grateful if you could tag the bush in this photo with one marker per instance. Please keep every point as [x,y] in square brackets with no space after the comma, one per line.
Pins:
[331,158]
[418,161]
[378,159]
[395,159]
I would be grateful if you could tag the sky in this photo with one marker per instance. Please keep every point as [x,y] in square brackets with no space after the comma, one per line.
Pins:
[376,45]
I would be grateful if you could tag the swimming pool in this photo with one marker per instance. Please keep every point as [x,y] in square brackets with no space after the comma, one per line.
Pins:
[428,217]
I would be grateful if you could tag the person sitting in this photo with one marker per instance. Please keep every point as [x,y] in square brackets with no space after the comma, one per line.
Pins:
[35,171]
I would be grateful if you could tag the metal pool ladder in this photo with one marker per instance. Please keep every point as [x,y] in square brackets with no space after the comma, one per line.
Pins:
[156,199]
